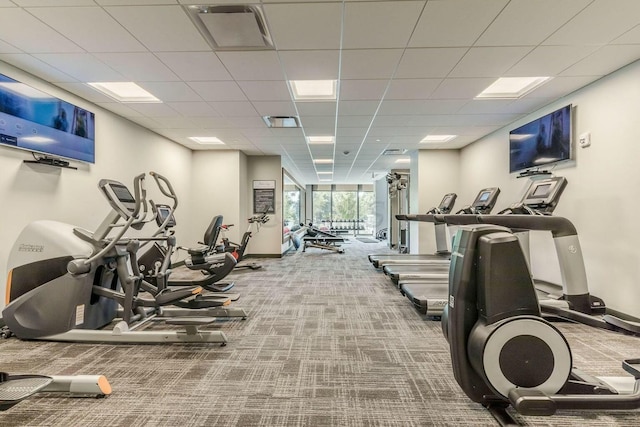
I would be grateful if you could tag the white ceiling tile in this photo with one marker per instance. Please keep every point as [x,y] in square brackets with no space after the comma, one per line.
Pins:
[351,132]
[218,91]
[316,108]
[454,23]
[171,91]
[369,63]
[195,66]
[7,48]
[177,122]
[155,110]
[265,90]
[561,86]
[24,31]
[86,92]
[490,106]
[216,124]
[134,2]
[247,122]
[549,60]
[461,88]
[605,60]
[194,109]
[428,63]
[362,90]
[235,109]
[305,26]
[81,66]
[411,88]
[256,65]
[357,108]
[120,109]
[413,107]
[527,105]
[36,67]
[91,28]
[354,121]
[142,67]
[30,3]
[630,37]
[275,108]
[526,22]
[379,24]
[146,122]
[489,61]
[315,122]
[599,23]
[390,121]
[310,64]
[160,28]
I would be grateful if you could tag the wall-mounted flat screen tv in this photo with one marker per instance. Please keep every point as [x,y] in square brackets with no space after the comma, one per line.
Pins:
[36,121]
[541,142]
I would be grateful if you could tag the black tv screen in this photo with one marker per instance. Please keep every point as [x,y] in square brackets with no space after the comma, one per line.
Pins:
[36,121]
[541,142]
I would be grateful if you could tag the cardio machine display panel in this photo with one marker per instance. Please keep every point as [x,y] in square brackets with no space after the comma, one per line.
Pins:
[119,197]
[545,192]
[163,212]
[446,205]
[485,199]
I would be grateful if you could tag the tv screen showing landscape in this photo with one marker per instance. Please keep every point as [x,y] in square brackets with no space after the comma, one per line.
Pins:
[36,121]
[541,142]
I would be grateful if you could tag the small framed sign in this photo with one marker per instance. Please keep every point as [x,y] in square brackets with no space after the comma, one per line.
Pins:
[264,197]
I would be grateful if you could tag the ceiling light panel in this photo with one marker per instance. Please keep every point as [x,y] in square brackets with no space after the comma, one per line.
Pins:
[124,92]
[321,140]
[206,140]
[314,90]
[512,87]
[438,138]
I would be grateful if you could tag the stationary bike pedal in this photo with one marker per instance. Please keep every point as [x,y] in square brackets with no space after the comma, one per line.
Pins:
[15,388]
[190,320]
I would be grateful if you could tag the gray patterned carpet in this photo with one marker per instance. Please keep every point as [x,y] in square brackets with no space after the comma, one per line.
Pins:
[329,342]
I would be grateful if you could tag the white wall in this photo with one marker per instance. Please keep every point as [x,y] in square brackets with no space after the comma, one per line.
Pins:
[215,190]
[438,173]
[601,198]
[123,150]
[269,240]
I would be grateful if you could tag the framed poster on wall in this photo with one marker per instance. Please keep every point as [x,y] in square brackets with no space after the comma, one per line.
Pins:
[264,197]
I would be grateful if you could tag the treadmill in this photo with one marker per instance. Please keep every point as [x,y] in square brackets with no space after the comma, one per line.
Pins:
[483,204]
[442,251]
[429,296]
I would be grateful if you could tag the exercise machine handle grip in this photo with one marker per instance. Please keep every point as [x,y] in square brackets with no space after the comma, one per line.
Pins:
[165,186]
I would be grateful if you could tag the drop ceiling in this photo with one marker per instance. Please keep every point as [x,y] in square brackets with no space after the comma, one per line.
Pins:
[405,69]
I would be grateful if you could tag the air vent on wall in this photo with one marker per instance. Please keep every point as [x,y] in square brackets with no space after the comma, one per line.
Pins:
[394,151]
[281,121]
[235,27]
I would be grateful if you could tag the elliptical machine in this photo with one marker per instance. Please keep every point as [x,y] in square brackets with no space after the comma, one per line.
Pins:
[502,351]
[66,284]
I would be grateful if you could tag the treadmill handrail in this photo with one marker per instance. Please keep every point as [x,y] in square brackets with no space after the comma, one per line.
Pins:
[557,225]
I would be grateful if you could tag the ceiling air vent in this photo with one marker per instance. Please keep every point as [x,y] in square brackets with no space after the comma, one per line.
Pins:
[235,27]
[281,121]
[394,151]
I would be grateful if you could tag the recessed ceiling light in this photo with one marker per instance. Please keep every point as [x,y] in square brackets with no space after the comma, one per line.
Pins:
[206,139]
[320,140]
[124,91]
[438,138]
[324,173]
[323,161]
[307,90]
[325,180]
[405,160]
[512,87]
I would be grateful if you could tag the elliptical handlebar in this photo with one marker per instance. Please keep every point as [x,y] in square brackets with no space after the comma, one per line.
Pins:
[165,187]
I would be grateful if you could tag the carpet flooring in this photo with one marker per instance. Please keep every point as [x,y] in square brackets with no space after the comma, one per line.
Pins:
[328,342]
